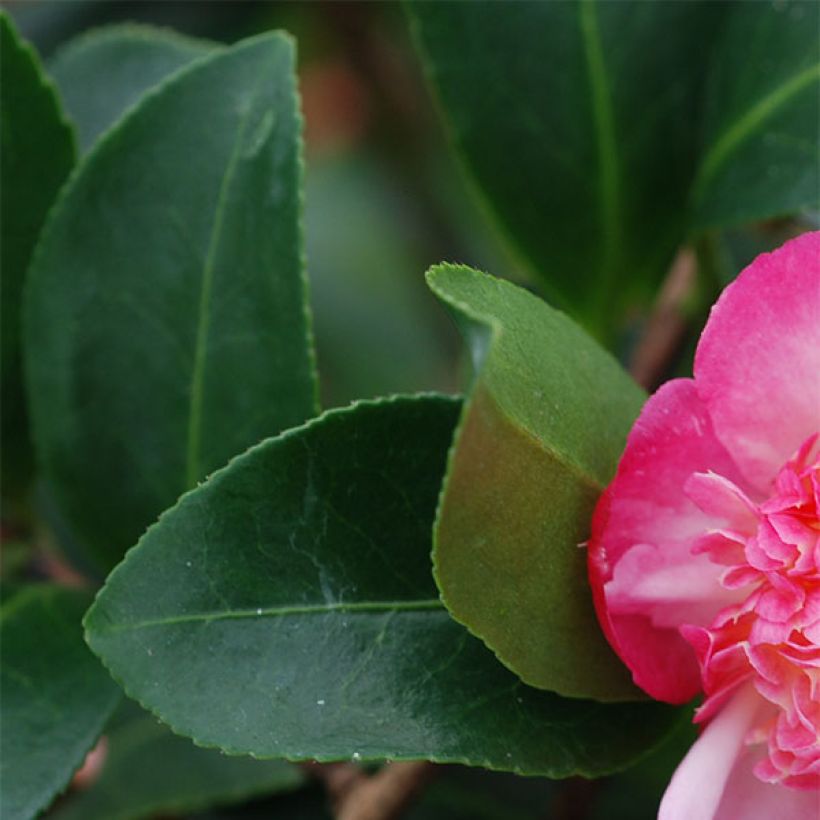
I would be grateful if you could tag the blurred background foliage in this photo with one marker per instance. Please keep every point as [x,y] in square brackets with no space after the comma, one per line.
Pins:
[385,199]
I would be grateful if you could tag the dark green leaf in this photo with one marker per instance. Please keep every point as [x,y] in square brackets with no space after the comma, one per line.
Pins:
[56,697]
[306,804]
[287,609]
[167,326]
[539,439]
[762,123]
[36,154]
[578,120]
[104,71]
[457,793]
[636,793]
[599,138]
[148,771]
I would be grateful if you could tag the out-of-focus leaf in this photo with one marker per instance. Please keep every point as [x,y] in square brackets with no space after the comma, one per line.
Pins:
[167,326]
[36,154]
[539,439]
[636,793]
[376,328]
[602,133]
[761,145]
[56,697]
[286,608]
[104,71]
[148,770]
[578,121]
[472,794]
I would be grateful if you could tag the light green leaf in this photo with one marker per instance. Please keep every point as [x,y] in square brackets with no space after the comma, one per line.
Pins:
[761,151]
[539,439]
[36,154]
[287,609]
[104,71]
[167,325]
[56,697]
[149,771]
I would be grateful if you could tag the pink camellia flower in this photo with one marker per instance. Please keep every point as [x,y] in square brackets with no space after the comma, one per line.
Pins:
[705,553]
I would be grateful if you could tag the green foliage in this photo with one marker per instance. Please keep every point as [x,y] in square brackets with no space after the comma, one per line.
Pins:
[167,326]
[285,605]
[538,441]
[36,154]
[149,771]
[599,131]
[107,70]
[56,697]
[288,607]
[761,124]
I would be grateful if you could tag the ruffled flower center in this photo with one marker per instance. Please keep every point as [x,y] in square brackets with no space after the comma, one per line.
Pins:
[770,635]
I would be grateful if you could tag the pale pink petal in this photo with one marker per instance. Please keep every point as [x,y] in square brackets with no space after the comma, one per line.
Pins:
[758,360]
[646,505]
[667,584]
[746,797]
[697,787]
[717,497]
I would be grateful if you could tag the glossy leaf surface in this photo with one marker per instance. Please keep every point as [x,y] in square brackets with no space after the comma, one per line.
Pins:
[167,325]
[599,140]
[149,771]
[287,609]
[572,118]
[56,697]
[761,116]
[105,71]
[539,439]
[36,154]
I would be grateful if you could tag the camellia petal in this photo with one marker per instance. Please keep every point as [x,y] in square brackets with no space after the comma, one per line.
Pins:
[647,514]
[757,367]
[697,787]
[713,538]
[746,797]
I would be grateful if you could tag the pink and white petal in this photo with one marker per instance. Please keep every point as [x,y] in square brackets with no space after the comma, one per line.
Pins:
[667,584]
[697,787]
[746,797]
[718,497]
[646,505]
[757,363]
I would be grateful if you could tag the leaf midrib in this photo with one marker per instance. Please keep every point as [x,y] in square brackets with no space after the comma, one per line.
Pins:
[192,457]
[746,124]
[607,151]
[278,612]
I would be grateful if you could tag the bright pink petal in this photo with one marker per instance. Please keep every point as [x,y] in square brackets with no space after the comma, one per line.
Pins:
[646,521]
[757,366]
[697,787]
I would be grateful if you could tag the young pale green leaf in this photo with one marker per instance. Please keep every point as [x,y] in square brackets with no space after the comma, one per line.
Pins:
[539,439]
[578,121]
[167,327]
[287,609]
[762,121]
[149,771]
[36,154]
[56,697]
[104,71]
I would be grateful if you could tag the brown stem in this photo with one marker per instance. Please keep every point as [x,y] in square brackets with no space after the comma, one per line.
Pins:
[387,793]
[383,796]
[667,323]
